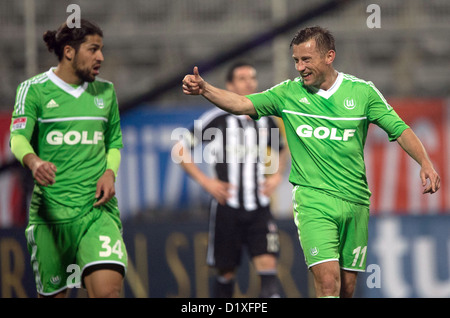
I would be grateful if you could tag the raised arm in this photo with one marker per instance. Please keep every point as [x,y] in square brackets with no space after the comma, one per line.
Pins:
[413,146]
[193,84]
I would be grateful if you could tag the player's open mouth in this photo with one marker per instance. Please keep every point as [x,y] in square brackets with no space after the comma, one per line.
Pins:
[306,76]
[96,69]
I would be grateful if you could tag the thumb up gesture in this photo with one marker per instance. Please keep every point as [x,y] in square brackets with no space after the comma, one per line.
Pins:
[193,84]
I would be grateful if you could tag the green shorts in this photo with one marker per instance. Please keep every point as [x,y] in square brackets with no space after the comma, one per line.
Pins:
[331,229]
[61,252]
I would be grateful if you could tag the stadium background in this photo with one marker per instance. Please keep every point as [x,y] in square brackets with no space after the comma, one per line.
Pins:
[149,47]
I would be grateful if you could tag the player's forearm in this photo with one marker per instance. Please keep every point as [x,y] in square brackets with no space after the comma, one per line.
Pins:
[228,101]
[414,147]
[20,147]
[185,160]
[195,173]
[113,160]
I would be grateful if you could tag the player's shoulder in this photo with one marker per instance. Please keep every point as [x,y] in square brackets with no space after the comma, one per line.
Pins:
[356,81]
[287,84]
[101,86]
[32,86]
[286,88]
[35,80]
[99,81]
[103,81]
[359,86]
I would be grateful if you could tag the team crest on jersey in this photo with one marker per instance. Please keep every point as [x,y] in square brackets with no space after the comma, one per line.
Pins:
[314,251]
[99,102]
[349,103]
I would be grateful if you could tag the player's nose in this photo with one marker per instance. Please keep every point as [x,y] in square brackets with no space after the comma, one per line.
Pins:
[99,57]
[300,66]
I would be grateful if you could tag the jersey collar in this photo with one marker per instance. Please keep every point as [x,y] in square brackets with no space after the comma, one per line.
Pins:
[337,83]
[75,92]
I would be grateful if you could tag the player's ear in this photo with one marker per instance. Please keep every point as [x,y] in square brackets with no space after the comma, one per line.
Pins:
[330,56]
[69,52]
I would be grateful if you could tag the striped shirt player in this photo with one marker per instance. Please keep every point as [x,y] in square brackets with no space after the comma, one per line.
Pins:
[237,148]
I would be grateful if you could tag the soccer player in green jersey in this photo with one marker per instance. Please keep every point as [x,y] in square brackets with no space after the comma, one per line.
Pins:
[326,114]
[66,129]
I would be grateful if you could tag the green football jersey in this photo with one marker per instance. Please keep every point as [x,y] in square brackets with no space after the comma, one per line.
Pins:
[326,131]
[72,127]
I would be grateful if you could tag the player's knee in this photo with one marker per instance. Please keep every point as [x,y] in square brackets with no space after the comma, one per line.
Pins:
[112,292]
[328,287]
[109,291]
[226,273]
[265,262]
[103,281]
[327,284]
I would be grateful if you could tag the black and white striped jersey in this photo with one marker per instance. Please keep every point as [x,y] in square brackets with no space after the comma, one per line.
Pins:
[241,151]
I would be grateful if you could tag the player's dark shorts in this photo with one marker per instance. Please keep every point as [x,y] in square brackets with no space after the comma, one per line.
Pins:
[230,230]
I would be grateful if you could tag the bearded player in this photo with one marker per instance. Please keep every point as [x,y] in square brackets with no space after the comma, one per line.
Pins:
[66,129]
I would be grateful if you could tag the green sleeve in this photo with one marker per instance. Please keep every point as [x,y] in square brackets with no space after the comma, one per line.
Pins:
[383,115]
[113,134]
[268,103]
[20,147]
[113,160]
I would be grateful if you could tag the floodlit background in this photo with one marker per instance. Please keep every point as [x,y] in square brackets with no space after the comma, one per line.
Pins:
[151,44]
